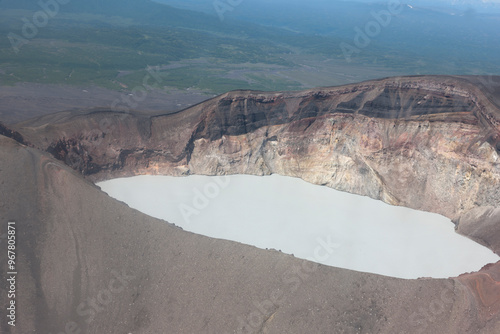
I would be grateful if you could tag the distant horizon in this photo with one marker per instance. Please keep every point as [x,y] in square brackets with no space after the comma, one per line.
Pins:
[481,6]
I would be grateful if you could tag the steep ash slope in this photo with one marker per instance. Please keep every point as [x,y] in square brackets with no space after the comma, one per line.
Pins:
[424,142]
[90,264]
[429,143]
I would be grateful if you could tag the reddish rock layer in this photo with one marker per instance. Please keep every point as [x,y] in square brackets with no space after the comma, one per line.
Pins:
[485,287]
[429,143]
[437,136]
[78,247]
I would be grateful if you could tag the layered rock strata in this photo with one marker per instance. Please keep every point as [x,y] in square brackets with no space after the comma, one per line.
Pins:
[428,143]
[89,264]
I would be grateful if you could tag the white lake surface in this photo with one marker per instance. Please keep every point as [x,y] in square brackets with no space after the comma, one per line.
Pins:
[312,222]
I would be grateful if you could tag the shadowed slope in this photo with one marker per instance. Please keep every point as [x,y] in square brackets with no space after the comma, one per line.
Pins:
[89,262]
[436,135]
[75,244]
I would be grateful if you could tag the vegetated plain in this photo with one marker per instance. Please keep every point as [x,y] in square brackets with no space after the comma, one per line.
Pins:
[111,45]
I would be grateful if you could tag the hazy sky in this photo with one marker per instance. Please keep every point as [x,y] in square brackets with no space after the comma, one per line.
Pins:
[449,2]
[461,4]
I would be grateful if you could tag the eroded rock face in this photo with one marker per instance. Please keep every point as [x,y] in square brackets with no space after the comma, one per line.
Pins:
[438,136]
[77,247]
[429,143]
[5,131]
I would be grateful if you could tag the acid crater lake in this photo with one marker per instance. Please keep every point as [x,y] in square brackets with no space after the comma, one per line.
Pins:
[309,221]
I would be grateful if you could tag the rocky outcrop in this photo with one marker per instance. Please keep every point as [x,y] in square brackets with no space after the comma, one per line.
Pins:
[5,131]
[429,143]
[90,264]
[482,224]
[438,136]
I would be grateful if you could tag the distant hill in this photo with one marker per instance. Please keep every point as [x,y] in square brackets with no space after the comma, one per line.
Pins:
[144,12]
[263,45]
